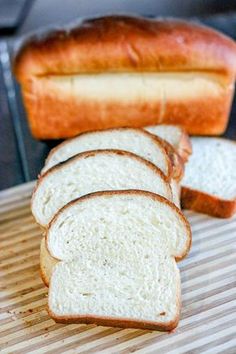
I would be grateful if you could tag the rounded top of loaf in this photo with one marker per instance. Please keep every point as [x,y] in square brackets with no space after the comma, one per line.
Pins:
[124,43]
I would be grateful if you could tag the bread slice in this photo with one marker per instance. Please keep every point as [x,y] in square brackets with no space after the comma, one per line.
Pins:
[176,161]
[117,254]
[137,294]
[47,263]
[209,185]
[94,171]
[174,135]
[137,141]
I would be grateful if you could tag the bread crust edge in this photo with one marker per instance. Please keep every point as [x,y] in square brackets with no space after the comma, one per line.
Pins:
[153,196]
[156,140]
[206,203]
[123,322]
[91,153]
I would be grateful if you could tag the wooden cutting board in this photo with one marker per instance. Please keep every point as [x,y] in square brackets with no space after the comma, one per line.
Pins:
[208,323]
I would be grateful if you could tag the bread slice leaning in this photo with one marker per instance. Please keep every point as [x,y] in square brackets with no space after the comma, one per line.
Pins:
[117,253]
[94,171]
[209,185]
[132,140]
[174,135]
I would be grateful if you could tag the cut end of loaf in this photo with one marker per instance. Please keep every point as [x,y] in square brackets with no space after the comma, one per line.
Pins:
[77,48]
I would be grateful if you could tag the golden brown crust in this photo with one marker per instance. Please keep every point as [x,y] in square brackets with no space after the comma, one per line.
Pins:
[87,154]
[156,140]
[122,322]
[176,160]
[151,195]
[53,114]
[122,43]
[44,276]
[185,146]
[116,322]
[207,204]
[47,263]
[201,116]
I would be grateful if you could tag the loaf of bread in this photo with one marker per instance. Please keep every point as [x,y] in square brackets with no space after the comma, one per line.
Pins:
[94,171]
[127,71]
[209,184]
[117,253]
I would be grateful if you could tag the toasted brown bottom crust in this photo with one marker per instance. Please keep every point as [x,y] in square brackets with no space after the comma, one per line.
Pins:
[122,322]
[207,204]
[54,114]
[119,322]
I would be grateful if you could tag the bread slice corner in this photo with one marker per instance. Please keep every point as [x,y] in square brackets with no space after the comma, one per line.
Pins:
[209,184]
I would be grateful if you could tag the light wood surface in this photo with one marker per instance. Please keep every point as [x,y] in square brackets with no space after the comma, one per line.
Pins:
[208,323]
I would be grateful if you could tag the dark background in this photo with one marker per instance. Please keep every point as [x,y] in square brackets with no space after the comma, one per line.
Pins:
[21,157]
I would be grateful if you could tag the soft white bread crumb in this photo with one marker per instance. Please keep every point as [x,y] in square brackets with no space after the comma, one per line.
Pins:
[94,171]
[174,135]
[132,289]
[119,219]
[117,254]
[170,133]
[133,140]
[212,167]
[47,262]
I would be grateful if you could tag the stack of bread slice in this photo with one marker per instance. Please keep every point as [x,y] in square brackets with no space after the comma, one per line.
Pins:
[109,202]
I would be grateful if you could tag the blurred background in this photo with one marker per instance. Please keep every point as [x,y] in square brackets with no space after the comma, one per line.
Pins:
[21,156]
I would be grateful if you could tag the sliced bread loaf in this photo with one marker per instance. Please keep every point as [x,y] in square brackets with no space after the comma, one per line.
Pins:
[117,254]
[136,141]
[209,184]
[94,171]
[174,135]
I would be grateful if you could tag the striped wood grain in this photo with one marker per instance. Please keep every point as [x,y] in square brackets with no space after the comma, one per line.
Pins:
[208,323]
